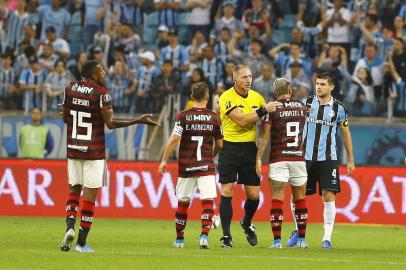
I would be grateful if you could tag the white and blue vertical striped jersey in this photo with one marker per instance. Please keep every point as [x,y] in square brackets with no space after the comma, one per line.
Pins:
[177,55]
[27,76]
[15,28]
[400,87]
[144,77]
[168,16]
[117,86]
[7,78]
[221,52]
[212,70]
[321,128]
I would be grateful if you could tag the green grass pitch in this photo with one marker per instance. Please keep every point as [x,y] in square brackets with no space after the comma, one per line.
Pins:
[33,243]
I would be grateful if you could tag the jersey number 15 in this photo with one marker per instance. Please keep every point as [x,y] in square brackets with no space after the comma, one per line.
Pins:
[78,122]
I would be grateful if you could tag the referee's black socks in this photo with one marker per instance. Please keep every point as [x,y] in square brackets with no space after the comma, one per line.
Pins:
[226,214]
[250,207]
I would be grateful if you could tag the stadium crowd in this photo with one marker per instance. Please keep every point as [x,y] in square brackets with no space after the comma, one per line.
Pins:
[152,49]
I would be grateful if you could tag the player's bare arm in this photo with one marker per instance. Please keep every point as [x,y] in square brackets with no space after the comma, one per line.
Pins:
[263,141]
[118,123]
[170,146]
[244,120]
[218,145]
[345,130]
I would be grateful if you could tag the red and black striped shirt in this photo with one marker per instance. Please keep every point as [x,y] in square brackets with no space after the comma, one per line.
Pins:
[197,127]
[82,104]
[287,124]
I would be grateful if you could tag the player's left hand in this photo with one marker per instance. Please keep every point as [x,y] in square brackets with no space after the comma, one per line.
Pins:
[350,167]
[146,119]
[162,167]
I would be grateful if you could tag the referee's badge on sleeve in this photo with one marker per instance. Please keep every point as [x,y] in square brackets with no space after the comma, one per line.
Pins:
[228,105]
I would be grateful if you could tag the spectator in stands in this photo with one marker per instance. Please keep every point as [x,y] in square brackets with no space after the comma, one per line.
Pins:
[375,66]
[98,55]
[176,53]
[164,84]
[399,57]
[225,47]
[338,28]
[60,46]
[212,67]
[55,16]
[91,23]
[254,59]
[227,80]
[299,81]
[35,139]
[76,10]
[123,35]
[168,12]
[370,31]
[198,18]
[253,32]
[228,21]
[334,59]
[132,12]
[264,83]
[285,54]
[47,58]
[30,35]
[120,87]
[15,24]
[197,76]
[55,84]
[162,38]
[8,80]
[360,97]
[30,84]
[25,51]
[399,25]
[195,50]
[398,89]
[146,72]
[259,16]
[76,69]
[109,12]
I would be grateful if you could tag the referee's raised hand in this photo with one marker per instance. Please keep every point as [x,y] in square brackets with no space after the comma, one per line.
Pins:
[272,105]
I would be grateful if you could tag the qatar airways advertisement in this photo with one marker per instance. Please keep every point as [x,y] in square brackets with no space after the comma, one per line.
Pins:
[374,195]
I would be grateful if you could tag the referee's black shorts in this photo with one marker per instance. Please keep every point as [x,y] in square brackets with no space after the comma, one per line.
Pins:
[323,172]
[237,163]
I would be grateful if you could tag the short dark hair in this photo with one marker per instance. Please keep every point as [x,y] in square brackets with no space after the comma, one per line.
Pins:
[199,91]
[58,61]
[373,17]
[89,68]
[326,75]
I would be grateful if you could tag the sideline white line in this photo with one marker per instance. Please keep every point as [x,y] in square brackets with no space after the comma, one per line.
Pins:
[255,257]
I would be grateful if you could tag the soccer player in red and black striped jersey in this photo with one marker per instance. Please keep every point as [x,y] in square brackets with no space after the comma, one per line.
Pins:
[195,129]
[285,127]
[86,109]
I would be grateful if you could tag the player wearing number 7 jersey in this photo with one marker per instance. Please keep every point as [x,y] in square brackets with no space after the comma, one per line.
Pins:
[86,109]
[195,129]
[285,126]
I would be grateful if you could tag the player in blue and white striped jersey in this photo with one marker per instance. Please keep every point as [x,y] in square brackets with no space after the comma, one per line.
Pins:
[325,115]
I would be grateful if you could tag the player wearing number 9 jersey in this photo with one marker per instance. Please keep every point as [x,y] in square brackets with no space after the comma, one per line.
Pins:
[285,127]
[86,108]
[195,129]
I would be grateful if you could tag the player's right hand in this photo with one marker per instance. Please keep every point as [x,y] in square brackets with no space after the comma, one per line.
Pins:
[272,105]
[258,168]
[146,119]
[162,167]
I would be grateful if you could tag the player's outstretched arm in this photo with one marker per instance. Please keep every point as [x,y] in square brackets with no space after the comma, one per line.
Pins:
[170,146]
[263,141]
[345,130]
[118,123]
[244,120]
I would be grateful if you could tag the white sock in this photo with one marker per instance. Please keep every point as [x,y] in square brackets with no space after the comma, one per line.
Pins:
[329,217]
[292,209]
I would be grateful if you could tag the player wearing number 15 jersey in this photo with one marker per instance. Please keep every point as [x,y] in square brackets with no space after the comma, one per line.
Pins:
[195,129]
[287,163]
[86,108]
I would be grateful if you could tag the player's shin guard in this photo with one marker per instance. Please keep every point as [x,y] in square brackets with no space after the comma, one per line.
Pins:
[250,207]
[276,218]
[72,205]
[301,217]
[86,221]
[207,215]
[226,214]
[181,218]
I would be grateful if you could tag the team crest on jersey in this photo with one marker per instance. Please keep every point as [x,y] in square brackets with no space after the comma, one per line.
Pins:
[107,98]
[228,105]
